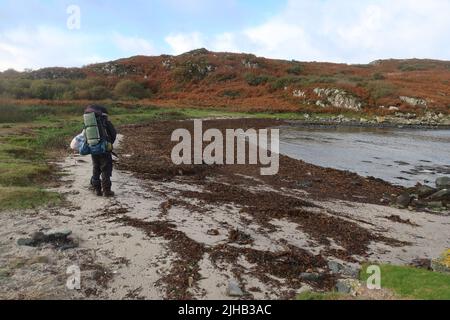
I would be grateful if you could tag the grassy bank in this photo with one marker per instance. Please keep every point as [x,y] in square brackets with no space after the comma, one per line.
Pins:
[403,282]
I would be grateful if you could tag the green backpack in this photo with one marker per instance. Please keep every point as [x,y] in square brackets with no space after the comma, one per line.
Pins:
[92,130]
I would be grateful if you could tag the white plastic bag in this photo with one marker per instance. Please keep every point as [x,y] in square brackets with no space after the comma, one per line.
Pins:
[77,142]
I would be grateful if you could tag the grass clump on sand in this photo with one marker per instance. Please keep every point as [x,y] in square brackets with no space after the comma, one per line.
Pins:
[12,198]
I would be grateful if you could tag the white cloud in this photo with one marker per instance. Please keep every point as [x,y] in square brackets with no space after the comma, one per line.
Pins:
[339,31]
[225,42]
[183,42]
[133,45]
[42,47]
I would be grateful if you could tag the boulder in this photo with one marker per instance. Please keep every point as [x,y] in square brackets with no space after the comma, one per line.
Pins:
[415,102]
[443,183]
[338,268]
[337,98]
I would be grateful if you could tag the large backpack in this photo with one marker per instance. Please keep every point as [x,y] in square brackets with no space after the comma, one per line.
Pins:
[96,142]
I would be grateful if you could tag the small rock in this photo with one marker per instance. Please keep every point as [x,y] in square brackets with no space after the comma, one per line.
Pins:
[305,288]
[404,200]
[233,290]
[443,183]
[422,264]
[213,232]
[443,194]
[335,267]
[348,286]
[310,276]
[435,204]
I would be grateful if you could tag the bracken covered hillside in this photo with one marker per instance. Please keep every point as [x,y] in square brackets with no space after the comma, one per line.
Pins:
[245,82]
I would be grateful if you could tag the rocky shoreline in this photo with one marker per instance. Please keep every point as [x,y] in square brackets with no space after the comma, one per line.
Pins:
[338,122]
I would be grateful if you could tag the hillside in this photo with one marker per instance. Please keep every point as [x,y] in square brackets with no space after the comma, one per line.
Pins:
[245,82]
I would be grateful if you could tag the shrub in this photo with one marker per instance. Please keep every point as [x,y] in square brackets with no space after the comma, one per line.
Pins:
[99,93]
[231,94]
[407,67]
[378,76]
[41,90]
[256,80]
[379,89]
[280,83]
[225,76]
[130,89]
[295,70]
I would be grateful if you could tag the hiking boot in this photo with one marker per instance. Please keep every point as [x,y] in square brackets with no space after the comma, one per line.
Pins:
[98,192]
[108,193]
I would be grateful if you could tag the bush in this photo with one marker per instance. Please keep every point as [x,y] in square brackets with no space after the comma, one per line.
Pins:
[256,80]
[280,83]
[99,93]
[378,76]
[231,94]
[41,90]
[225,76]
[379,89]
[408,67]
[130,89]
[295,70]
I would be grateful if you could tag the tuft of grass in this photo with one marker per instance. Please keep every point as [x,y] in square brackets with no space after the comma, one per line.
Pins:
[21,173]
[14,198]
[410,282]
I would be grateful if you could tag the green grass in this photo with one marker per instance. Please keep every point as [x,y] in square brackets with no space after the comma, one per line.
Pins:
[13,198]
[414,283]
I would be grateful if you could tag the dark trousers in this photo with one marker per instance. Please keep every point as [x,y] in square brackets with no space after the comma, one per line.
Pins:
[103,167]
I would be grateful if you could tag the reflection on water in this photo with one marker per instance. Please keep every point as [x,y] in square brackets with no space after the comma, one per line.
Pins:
[399,156]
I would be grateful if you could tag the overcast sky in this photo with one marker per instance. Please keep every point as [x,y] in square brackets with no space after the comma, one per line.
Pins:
[35,33]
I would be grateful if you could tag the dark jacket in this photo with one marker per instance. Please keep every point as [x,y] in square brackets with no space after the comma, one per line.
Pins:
[111,133]
[102,115]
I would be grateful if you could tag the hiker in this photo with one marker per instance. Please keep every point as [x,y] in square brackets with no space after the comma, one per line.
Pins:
[102,160]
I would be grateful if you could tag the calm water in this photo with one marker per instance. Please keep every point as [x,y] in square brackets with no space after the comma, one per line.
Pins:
[399,156]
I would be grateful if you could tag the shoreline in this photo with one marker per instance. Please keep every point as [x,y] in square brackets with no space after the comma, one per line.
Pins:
[357,124]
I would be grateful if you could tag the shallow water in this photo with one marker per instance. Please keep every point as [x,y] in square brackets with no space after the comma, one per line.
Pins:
[400,156]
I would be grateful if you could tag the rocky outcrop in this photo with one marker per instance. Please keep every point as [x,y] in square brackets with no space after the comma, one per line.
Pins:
[337,98]
[415,102]
[299,93]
